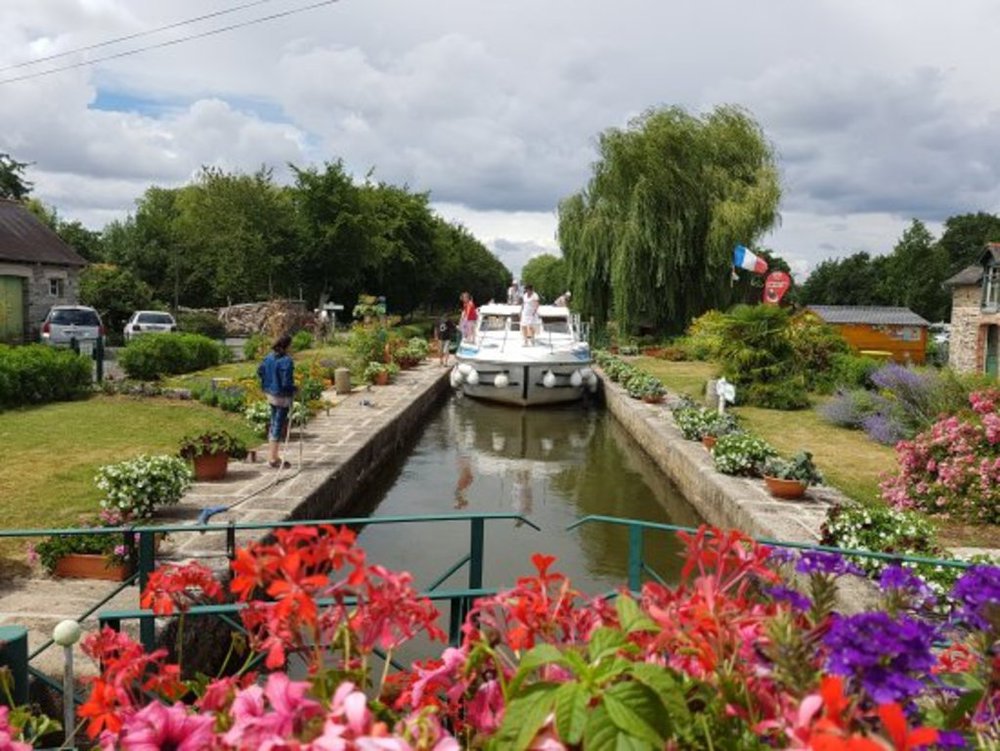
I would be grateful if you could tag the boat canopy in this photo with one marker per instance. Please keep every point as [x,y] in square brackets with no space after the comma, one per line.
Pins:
[545,311]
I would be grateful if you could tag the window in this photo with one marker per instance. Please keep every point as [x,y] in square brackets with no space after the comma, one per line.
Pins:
[55,287]
[161,318]
[991,288]
[74,317]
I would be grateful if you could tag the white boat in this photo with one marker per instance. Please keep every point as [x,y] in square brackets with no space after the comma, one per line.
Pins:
[496,365]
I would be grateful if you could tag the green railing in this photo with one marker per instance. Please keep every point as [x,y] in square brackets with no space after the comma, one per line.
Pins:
[637,565]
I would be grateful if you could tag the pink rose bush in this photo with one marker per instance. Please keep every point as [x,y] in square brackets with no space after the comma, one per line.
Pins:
[732,657]
[953,468]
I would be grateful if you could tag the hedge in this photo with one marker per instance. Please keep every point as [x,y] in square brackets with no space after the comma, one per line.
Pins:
[36,374]
[150,357]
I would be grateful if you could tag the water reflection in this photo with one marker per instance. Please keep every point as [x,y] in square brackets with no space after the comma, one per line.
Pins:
[550,465]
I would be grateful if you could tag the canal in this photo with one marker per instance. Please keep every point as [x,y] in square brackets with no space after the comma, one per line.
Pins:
[551,465]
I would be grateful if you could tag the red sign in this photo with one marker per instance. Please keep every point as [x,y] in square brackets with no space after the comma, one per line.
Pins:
[775,286]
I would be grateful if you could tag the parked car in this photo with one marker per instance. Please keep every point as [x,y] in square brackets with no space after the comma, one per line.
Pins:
[64,323]
[149,322]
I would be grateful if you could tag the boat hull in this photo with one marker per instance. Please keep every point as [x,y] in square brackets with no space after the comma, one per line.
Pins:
[525,382]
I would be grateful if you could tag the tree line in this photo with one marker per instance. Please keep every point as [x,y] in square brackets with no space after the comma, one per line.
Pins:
[230,237]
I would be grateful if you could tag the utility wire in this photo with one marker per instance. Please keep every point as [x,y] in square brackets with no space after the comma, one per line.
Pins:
[137,35]
[170,43]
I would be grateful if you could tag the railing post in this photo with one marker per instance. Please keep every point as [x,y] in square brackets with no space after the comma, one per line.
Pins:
[477,542]
[147,562]
[14,655]
[634,557]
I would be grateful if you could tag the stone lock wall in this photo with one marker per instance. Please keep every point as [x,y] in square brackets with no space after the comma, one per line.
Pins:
[967,342]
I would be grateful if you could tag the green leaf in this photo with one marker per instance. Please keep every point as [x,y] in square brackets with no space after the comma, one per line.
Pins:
[605,640]
[571,712]
[524,716]
[631,617]
[634,709]
[667,689]
[601,734]
[543,654]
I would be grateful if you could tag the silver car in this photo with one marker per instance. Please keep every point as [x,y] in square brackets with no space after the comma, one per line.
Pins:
[65,323]
[149,322]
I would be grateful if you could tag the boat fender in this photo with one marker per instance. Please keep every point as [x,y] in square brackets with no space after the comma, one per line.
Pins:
[456,378]
[472,377]
[592,383]
[464,369]
[586,374]
[549,379]
[576,380]
[501,381]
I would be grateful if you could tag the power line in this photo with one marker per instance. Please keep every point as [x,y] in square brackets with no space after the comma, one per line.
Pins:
[170,43]
[137,35]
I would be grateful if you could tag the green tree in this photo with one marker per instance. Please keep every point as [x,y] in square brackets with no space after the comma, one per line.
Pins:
[650,239]
[465,265]
[13,184]
[115,292]
[914,273]
[547,274]
[965,235]
[86,242]
[858,279]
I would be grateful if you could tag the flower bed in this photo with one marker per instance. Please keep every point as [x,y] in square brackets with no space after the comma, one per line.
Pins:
[732,657]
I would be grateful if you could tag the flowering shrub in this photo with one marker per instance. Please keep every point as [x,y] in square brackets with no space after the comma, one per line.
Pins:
[697,422]
[137,486]
[741,454]
[729,658]
[954,467]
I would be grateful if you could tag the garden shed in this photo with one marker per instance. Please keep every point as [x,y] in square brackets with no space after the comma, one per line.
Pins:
[37,270]
[974,346]
[893,332]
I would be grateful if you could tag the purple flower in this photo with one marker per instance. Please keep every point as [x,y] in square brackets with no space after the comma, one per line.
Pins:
[830,564]
[904,582]
[881,653]
[951,739]
[779,556]
[794,598]
[977,597]
[884,428]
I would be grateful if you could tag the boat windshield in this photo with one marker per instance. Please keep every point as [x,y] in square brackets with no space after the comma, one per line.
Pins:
[493,323]
[555,325]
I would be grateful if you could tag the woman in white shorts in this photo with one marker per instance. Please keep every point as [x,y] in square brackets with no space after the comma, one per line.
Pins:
[530,320]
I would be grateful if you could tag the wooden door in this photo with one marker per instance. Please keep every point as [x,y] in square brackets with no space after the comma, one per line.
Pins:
[11,309]
[992,342]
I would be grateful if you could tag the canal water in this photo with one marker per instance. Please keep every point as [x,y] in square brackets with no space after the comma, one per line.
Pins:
[551,465]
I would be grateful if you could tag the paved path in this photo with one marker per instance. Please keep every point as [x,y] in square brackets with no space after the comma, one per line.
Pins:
[330,443]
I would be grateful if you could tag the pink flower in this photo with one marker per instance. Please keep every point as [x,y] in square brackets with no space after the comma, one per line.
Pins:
[352,705]
[453,660]
[486,708]
[156,727]
[7,743]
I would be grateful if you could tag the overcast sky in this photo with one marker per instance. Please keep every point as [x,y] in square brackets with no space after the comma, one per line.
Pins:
[878,111]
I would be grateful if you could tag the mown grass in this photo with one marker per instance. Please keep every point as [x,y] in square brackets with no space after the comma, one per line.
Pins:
[51,453]
[339,354]
[850,461]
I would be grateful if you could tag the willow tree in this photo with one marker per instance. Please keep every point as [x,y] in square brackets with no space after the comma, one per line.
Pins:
[649,241]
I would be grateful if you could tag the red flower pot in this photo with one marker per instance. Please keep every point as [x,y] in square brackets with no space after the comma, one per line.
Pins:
[210,466]
[708,441]
[787,489]
[382,379]
[90,566]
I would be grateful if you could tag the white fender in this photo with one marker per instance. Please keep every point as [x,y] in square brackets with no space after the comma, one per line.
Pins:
[501,381]
[472,376]
[576,380]
[549,379]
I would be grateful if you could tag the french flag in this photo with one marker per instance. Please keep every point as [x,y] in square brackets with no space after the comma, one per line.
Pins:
[744,259]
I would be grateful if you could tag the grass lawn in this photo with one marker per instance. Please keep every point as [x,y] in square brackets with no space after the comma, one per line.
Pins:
[52,452]
[851,461]
[340,354]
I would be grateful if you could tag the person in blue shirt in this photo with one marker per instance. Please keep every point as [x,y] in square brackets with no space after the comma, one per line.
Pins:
[277,379]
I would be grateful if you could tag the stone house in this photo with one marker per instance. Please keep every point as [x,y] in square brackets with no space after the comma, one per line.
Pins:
[974,339]
[37,270]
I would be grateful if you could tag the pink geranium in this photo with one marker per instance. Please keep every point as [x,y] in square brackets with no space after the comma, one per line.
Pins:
[156,727]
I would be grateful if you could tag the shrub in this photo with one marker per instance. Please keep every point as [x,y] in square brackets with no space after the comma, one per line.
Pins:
[741,454]
[36,374]
[849,409]
[137,486]
[954,467]
[255,347]
[258,415]
[302,340]
[704,336]
[697,422]
[150,357]
[816,345]
[852,371]
[367,342]
[789,393]
[204,323]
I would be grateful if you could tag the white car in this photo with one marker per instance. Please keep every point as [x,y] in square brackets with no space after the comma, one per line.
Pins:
[149,322]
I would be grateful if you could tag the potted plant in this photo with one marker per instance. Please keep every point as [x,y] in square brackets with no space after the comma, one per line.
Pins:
[790,478]
[210,451]
[377,373]
[716,426]
[86,556]
[653,391]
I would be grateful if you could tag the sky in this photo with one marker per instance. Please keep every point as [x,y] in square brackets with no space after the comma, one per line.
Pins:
[878,112]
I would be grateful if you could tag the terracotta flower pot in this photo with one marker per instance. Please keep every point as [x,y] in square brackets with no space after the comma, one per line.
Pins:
[787,489]
[653,398]
[382,379]
[211,466]
[90,566]
[708,441]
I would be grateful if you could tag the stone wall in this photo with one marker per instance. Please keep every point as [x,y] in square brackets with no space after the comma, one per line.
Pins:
[967,340]
[39,291]
[272,318]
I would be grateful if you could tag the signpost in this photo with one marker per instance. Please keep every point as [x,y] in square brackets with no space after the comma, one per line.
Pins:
[775,286]
[726,393]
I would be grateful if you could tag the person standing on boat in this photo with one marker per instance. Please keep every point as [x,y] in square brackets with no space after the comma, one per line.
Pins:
[530,320]
[563,300]
[513,293]
[467,324]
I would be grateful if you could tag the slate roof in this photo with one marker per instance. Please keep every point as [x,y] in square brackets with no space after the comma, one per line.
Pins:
[868,314]
[25,239]
[969,275]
